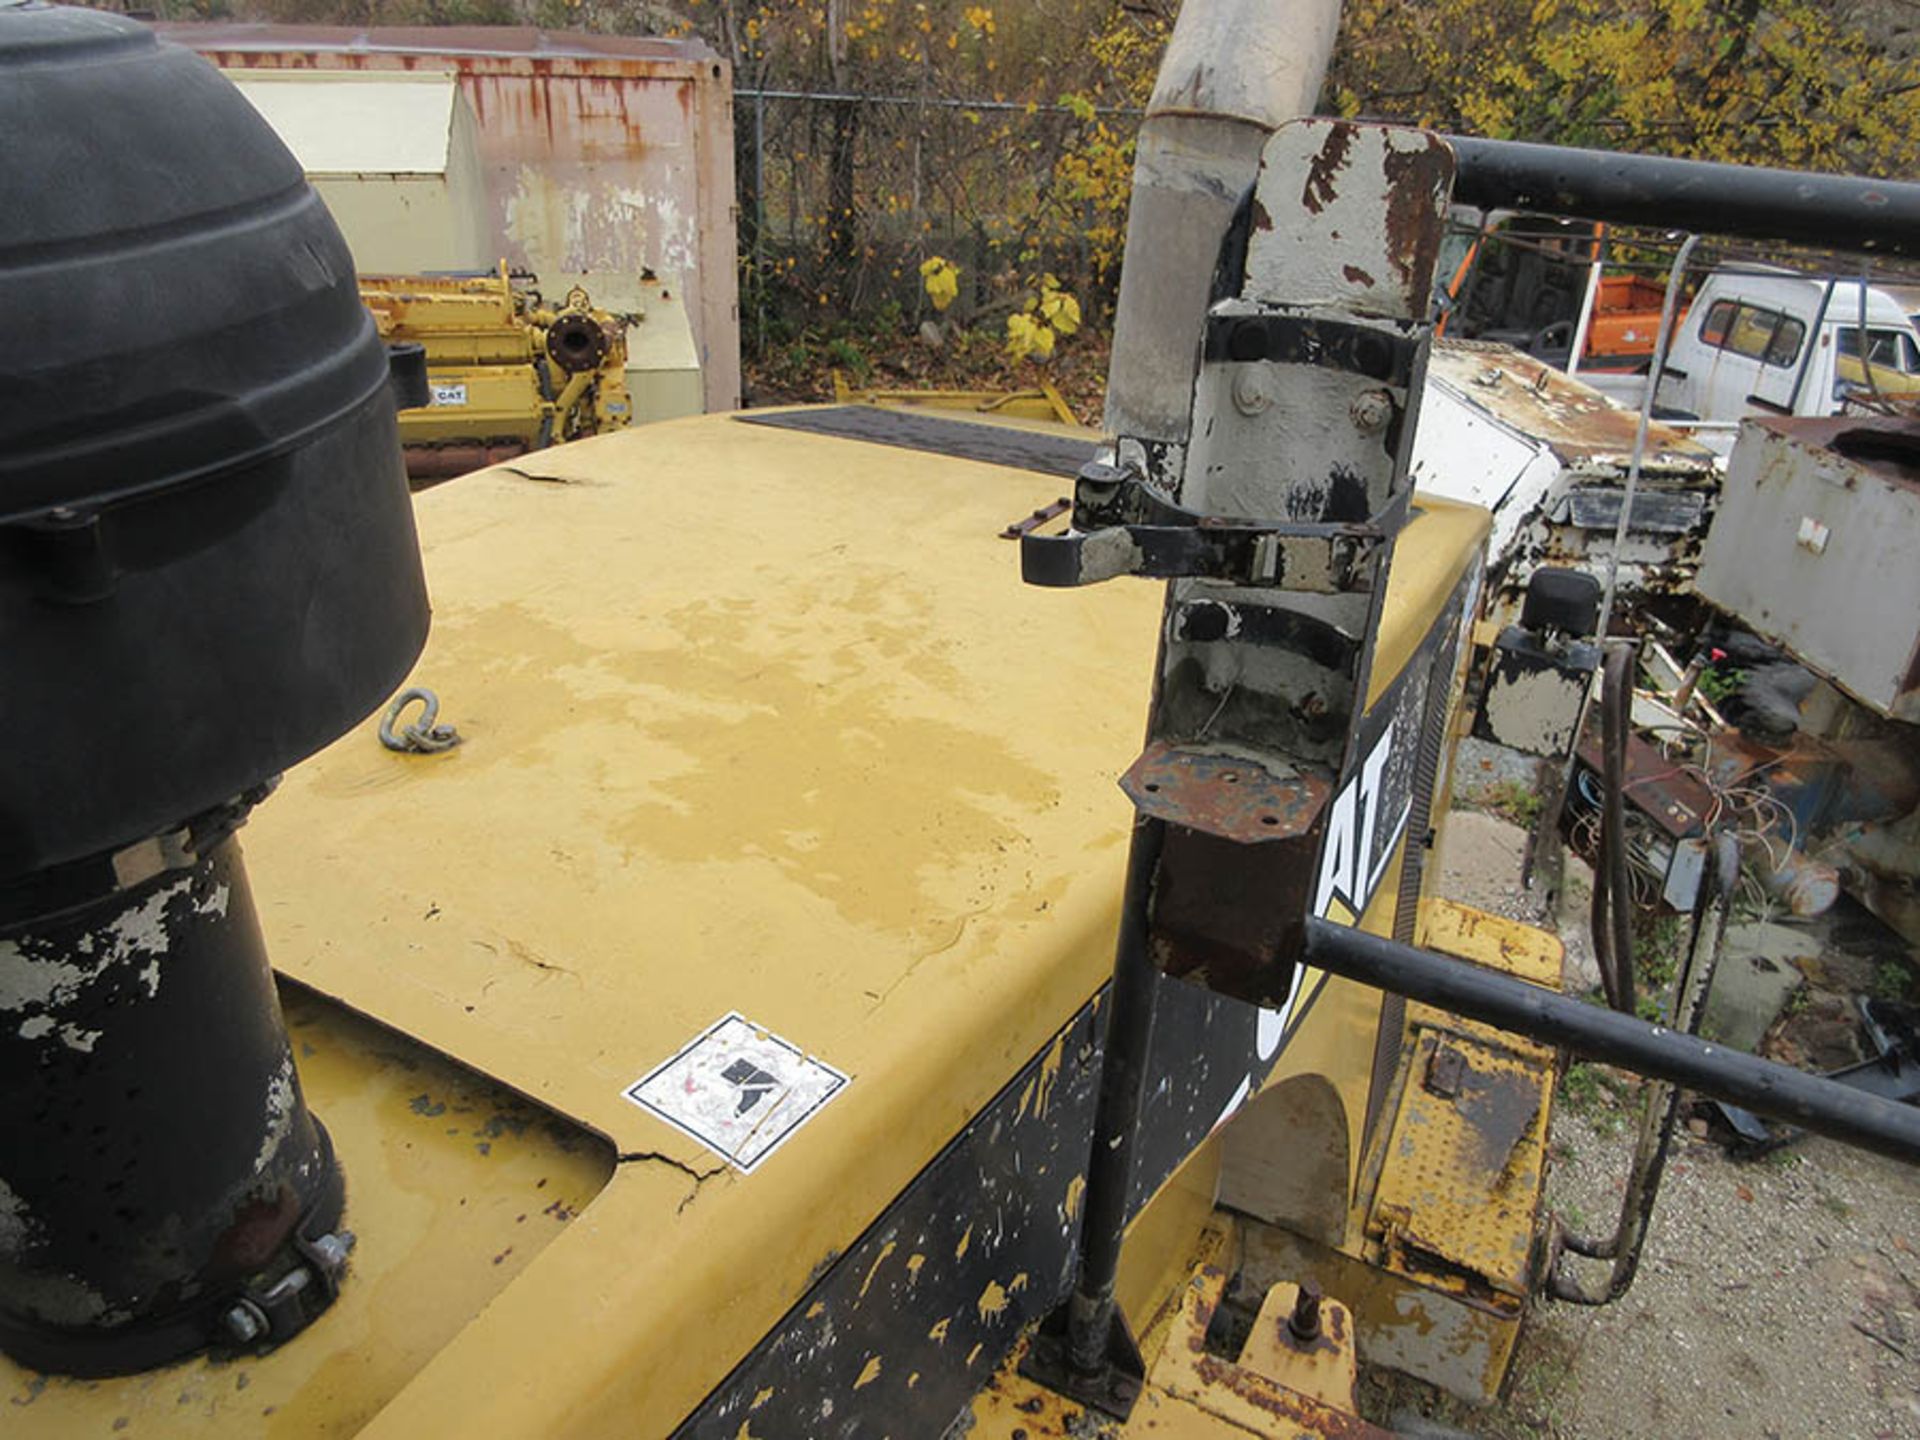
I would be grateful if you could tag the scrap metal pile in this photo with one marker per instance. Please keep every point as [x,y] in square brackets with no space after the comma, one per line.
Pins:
[1774,696]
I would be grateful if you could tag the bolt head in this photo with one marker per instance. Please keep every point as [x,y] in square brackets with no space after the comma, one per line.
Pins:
[1250,395]
[1371,411]
[332,1249]
[244,1323]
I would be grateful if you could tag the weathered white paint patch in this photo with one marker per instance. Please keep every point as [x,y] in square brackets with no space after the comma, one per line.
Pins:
[143,929]
[36,1027]
[1108,553]
[1533,711]
[32,977]
[74,1038]
[68,1300]
[26,981]
[1238,1099]
[216,903]
[279,1114]
[16,1225]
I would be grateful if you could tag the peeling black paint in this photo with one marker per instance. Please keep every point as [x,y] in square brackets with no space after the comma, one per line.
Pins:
[983,1242]
[898,1334]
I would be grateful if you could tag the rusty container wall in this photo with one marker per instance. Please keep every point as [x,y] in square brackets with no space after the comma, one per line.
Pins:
[601,155]
[1814,546]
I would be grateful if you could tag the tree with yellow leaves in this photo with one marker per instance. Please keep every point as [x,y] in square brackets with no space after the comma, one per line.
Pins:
[1772,82]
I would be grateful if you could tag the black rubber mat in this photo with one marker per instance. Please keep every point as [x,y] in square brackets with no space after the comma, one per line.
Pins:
[908,430]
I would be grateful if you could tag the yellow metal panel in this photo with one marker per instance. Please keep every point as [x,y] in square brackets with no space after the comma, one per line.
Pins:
[792,748]
[1491,941]
[1194,1394]
[748,724]
[1167,1238]
[1460,1190]
[1429,558]
[1265,1390]
[455,1188]
[1495,943]
[500,402]
[1326,1370]
[1461,1344]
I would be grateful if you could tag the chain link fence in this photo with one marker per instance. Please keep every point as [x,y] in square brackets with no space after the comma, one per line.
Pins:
[843,196]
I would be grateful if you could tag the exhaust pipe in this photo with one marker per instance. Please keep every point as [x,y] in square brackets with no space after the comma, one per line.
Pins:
[1234,71]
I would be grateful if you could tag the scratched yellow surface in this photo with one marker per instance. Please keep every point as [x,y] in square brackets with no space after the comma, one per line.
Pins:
[754,721]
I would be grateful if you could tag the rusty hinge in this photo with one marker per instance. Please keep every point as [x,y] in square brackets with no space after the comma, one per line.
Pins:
[1036,519]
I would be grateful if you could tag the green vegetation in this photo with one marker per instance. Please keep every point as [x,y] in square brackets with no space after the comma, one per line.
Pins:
[1595,1095]
[1510,800]
[1717,683]
[1892,980]
[1659,939]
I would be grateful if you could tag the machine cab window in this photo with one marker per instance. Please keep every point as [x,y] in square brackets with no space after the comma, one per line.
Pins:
[1886,347]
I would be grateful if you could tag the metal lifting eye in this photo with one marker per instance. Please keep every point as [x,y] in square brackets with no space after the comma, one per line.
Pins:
[424,736]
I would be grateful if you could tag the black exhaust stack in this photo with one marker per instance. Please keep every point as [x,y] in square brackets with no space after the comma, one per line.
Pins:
[208,571]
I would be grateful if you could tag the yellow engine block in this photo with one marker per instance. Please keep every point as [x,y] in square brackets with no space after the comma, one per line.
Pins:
[506,372]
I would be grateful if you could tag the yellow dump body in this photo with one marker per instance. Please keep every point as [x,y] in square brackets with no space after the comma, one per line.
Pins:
[754,723]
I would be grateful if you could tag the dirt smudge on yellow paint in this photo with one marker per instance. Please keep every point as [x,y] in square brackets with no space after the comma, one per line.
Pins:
[832,758]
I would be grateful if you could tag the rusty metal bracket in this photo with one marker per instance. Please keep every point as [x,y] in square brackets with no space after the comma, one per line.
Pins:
[1233,797]
[1036,519]
[1111,1388]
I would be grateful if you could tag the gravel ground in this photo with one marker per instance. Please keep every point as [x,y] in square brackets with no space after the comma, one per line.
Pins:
[1778,1297]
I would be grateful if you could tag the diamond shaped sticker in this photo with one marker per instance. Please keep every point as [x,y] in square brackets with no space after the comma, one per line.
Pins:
[740,1090]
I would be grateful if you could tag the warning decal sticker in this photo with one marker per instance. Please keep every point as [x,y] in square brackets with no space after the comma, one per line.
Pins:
[739,1090]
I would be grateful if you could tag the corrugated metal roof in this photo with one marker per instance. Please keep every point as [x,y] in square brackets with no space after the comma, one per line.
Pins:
[357,122]
[505,41]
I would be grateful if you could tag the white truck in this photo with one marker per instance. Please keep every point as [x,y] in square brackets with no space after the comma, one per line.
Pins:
[1765,342]
[1784,344]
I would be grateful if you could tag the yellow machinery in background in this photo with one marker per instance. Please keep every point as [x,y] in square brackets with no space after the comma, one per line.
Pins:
[506,372]
[1043,402]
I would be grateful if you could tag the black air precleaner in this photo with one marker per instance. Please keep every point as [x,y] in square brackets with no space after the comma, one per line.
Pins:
[208,571]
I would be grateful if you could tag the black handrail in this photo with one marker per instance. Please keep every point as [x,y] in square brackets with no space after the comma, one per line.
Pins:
[1810,1101]
[1754,203]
